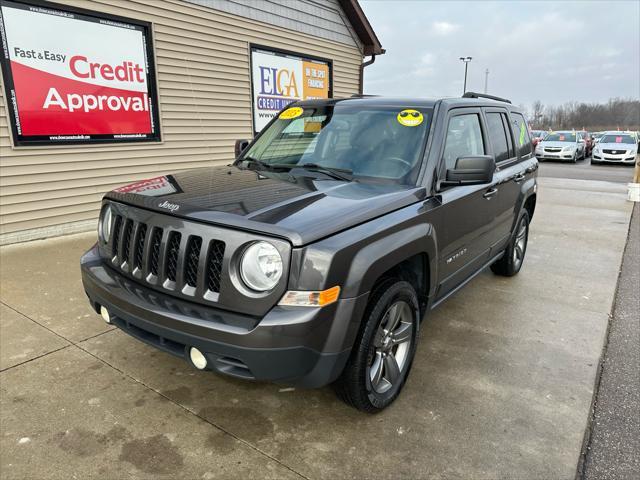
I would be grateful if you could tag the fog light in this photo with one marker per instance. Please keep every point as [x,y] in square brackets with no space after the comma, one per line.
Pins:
[197,358]
[105,314]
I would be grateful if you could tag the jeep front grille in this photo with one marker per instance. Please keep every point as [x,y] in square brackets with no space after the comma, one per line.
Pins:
[163,258]
[172,255]
[192,260]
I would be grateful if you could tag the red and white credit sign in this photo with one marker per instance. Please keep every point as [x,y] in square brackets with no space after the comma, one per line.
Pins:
[73,76]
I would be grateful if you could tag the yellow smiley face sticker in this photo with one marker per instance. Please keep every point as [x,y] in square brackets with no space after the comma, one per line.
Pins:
[410,118]
[290,113]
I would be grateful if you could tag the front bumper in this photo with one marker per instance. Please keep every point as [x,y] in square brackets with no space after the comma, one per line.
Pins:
[298,346]
[555,155]
[607,157]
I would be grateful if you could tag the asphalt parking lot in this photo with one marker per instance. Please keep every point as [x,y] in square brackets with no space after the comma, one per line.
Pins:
[501,387]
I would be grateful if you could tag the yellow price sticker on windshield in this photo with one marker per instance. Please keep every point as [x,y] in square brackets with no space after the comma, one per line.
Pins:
[290,113]
[410,118]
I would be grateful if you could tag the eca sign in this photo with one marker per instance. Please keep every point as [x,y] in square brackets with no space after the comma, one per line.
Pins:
[72,76]
[279,78]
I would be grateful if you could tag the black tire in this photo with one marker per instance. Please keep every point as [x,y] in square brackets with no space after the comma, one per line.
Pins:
[355,385]
[511,262]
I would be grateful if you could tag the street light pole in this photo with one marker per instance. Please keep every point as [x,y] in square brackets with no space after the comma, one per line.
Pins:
[466,61]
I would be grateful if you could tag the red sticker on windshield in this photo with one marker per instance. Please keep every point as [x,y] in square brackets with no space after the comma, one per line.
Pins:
[562,138]
[618,139]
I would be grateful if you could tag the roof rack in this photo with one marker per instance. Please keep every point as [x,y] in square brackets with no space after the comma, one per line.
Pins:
[484,95]
[363,95]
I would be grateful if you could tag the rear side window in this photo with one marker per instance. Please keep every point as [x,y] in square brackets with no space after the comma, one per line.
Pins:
[523,140]
[464,139]
[497,137]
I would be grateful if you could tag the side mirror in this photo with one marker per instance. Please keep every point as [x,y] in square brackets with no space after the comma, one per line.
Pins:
[474,170]
[240,146]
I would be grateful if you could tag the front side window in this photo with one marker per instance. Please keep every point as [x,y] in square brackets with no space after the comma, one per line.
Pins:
[523,139]
[464,139]
[371,142]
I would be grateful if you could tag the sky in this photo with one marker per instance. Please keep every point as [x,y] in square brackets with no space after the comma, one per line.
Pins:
[555,52]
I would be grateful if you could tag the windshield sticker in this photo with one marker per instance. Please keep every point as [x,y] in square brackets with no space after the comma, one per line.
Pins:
[410,118]
[522,133]
[618,139]
[562,138]
[289,113]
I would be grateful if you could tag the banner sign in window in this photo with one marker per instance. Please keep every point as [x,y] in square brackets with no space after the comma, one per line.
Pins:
[72,76]
[279,78]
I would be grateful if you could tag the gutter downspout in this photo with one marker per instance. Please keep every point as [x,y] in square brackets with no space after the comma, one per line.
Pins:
[362,65]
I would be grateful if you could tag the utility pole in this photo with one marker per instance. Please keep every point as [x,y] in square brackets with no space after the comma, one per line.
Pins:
[466,61]
[486,80]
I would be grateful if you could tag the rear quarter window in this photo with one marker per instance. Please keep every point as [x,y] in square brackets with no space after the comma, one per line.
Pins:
[521,132]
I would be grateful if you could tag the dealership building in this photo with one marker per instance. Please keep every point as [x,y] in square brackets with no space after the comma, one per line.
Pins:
[101,93]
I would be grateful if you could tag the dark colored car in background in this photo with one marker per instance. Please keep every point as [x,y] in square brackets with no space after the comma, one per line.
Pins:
[588,141]
[316,255]
[537,136]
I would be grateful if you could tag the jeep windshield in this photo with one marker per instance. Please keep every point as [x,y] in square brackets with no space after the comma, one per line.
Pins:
[343,142]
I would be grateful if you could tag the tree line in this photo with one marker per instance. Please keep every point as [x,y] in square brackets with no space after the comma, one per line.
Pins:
[616,114]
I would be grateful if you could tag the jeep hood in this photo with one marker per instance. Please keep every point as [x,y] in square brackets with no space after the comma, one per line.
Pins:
[302,209]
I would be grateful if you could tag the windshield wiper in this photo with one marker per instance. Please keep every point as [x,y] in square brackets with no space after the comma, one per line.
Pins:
[337,173]
[343,174]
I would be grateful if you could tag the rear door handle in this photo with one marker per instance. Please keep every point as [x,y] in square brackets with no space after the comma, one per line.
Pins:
[490,193]
[518,178]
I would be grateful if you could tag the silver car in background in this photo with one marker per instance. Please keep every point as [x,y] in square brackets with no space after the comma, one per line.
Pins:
[616,147]
[565,145]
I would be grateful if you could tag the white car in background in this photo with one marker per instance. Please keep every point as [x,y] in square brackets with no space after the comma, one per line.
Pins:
[565,145]
[616,147]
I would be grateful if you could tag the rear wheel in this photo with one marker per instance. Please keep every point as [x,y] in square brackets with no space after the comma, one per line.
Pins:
[511,262]
[383,352]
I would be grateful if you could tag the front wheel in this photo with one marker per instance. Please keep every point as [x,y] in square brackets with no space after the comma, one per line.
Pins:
[511,262]
[383,352]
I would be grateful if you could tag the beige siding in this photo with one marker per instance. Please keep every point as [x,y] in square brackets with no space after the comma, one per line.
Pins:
[202,63]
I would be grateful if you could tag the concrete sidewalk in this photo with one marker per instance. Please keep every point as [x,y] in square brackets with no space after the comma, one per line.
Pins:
[613,449]
[501,386]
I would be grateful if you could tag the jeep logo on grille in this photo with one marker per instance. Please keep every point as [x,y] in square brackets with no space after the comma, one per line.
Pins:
[169,206]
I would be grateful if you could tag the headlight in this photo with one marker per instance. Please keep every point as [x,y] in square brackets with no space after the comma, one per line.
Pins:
[104,226]
[261,266]
[569,148]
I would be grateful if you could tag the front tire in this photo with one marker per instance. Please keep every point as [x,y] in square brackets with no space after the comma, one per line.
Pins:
[383,352]
[511,262]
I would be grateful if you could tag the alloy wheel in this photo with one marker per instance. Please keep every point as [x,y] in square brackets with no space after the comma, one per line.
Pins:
[520,244]
[391,345]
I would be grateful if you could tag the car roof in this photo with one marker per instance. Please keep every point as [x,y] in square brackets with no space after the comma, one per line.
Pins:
[404,102]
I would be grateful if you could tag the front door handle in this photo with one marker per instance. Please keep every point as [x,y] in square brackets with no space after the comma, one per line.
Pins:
[490,193]
[518,178]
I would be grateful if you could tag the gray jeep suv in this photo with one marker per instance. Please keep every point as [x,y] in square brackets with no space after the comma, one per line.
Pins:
[316,255]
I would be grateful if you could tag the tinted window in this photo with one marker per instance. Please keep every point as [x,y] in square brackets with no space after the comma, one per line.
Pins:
[523,140]
[497,137]
[464,138]
[507,128]
[377,142]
